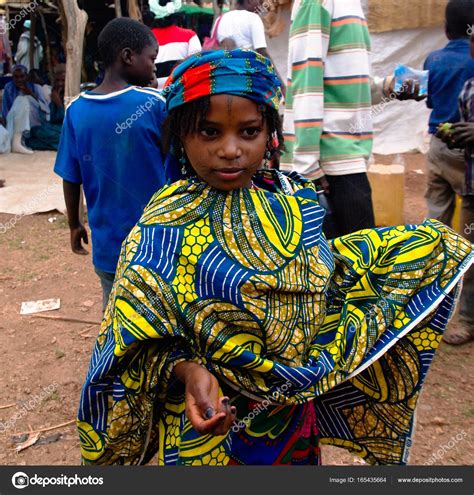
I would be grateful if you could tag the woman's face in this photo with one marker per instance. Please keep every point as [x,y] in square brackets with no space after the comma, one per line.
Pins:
[230,143]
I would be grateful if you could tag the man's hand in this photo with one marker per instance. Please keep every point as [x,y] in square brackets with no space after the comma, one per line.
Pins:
[26,90]
[208,413]
[410,90]
[322,183]
[79,234]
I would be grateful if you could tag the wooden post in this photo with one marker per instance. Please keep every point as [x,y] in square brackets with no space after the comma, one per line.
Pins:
[10,62]
[118,8]
[32,47]
[134,10]
[49,64]
[76,21]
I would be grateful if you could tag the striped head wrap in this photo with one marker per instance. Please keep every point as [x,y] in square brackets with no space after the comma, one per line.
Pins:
[236,72]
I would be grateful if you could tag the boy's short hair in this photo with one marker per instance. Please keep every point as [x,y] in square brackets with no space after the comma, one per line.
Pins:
[459,18]
[123,33]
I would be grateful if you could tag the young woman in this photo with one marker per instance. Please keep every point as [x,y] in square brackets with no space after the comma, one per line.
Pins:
[235,334]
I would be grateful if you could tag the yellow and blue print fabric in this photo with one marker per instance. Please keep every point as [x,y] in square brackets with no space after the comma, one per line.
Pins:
[334,338]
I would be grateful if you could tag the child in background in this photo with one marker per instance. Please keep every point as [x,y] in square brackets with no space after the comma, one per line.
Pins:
[449,69]
[461,135]
[110,144]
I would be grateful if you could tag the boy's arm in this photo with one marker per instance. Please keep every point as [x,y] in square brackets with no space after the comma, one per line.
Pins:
[429,102]
[68,167]
[461,134]
[72,197]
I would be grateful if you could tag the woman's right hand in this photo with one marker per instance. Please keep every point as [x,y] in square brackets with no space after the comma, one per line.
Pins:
[208,413]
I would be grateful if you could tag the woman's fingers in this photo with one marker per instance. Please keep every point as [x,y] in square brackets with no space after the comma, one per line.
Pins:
[201,424]
[230,415]
[210,422]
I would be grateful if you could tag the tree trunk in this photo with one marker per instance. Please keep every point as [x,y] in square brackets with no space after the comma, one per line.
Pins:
[76,21]
[118,8]
[134,10]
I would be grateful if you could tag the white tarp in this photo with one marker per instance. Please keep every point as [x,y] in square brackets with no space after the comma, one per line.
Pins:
[31,186]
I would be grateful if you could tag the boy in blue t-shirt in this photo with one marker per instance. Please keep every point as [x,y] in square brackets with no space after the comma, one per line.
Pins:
[449,68]
[110,144]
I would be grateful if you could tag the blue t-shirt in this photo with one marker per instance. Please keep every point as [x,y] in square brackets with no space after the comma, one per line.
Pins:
[449,69]
[111,144]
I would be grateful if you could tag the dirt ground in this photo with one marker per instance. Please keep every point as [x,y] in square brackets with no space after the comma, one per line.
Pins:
[44,361]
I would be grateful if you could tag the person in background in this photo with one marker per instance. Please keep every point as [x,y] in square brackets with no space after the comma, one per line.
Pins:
[22,56]
[329,92]
[23,107]
[461,135]
[243,28]
[5,48]
[110,144]
[449,68]
[46,136]
[176,43]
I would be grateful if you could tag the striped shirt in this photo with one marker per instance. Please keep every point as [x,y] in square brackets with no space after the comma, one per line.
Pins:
[328,121]
[175,44]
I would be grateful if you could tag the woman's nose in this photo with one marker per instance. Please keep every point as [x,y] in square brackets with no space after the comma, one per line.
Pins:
[230,150]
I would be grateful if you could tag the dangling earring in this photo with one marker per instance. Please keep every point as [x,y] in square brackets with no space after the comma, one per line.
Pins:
[267,157]
[182,160]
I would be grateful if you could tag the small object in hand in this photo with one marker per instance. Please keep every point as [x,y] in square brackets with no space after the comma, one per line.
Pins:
[403,73]
[209,413]
[446,127]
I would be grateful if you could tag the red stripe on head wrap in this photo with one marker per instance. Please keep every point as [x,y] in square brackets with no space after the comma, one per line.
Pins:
[197,82]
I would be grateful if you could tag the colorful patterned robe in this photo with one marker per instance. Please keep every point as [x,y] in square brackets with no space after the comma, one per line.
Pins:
[313,341]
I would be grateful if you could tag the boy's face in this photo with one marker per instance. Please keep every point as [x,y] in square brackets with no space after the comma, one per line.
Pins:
[141,66]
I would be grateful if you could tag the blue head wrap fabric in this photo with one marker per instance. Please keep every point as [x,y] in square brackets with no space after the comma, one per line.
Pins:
[234,72]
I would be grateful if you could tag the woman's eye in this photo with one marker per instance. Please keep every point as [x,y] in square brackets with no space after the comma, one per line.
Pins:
[208,132]
[251,131]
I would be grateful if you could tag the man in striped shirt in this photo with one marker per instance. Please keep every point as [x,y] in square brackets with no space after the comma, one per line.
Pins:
[328,124]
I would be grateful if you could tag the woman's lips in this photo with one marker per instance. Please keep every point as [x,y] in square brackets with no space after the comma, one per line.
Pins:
[229,173]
